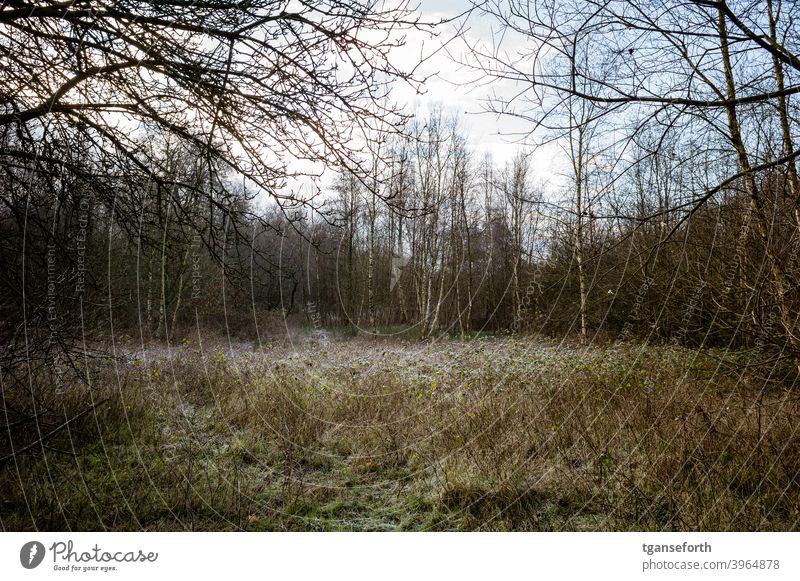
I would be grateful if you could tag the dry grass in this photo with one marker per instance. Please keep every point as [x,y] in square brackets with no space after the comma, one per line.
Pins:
[498,434]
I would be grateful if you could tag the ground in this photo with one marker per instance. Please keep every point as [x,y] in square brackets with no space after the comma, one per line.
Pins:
[513,433]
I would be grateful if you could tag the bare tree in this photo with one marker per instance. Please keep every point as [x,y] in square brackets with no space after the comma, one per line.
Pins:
[691,71]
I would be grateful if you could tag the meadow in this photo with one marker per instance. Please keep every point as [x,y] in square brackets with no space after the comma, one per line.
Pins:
[500,433]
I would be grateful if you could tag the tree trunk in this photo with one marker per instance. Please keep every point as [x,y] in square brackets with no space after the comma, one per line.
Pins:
[788,318]
[578,166]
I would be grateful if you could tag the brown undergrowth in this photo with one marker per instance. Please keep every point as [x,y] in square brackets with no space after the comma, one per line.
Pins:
[497,434]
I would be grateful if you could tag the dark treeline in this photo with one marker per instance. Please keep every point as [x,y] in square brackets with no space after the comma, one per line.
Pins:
[448,241]
[435,239]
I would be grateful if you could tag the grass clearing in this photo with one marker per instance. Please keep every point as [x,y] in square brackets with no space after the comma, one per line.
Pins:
[489,434]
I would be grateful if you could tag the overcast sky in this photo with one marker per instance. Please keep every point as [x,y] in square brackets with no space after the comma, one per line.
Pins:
[454,87]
